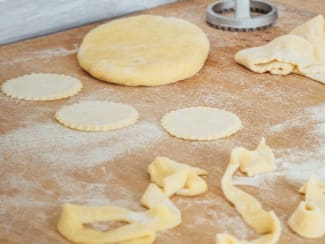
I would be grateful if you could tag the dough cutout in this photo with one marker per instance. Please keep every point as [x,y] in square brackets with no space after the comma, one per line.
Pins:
[73,218]
[201,123]
[177,178]
[144,50]
[302,51]
[41,87]
[97,116]
[308,220]
[264,222]
[140,227]
[163,208]
[254,162]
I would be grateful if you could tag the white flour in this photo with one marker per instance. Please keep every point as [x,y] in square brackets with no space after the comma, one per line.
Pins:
[225,219]
[63,147]
[40,54]
[61,150]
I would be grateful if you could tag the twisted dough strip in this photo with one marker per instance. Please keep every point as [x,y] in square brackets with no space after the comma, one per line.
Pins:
[264,222]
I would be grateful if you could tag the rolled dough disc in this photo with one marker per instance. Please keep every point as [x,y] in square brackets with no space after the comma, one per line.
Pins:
[41,87]
[201,123]
[97,115]
[144,50]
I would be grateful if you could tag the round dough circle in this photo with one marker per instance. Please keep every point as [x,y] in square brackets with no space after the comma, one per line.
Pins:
[144,50]
[201,123]
[97,115]
[41,87]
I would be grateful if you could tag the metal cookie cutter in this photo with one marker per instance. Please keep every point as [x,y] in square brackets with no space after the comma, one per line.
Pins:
[241,15]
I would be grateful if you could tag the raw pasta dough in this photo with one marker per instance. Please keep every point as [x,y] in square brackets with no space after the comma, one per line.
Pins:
[41,87]
[177,178]
[144,50]
[201,123]
[97,115]
[264,222]
[140,227]
[302,51]
[308,220]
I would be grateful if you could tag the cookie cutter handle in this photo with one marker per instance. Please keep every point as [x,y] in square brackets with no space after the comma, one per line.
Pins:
[242,9]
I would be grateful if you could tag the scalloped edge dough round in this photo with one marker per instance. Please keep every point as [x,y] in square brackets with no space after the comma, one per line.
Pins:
[144,50]
[97,115]
[201,123]
[41,87]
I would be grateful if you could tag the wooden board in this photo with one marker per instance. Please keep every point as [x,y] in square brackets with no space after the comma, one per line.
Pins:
[43,164]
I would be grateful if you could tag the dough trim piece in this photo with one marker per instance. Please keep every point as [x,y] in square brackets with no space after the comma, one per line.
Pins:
[140,227]
[73,217]
[144,50]
[41,87]
[302,51]
[251,210]
[177,178]
[201,123]
[97,115]
[308,220]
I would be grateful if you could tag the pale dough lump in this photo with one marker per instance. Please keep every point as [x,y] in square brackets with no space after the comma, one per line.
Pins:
[201,123]
[97,115]
[302,51]
[41,87]
[144,50]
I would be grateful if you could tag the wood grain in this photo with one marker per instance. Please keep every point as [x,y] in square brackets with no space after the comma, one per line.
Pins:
[43,165]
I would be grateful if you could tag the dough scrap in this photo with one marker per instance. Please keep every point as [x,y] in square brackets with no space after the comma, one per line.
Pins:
[165,213]
[97,115]
[254,162]
[264,222]
[302,51]
[144,50]
[201,123]
[177,178]
[41,87]
[140,227]
[279,56]
[308,220]
[73,217]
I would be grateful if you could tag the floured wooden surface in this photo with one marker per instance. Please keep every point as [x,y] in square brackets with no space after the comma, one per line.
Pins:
[44,164]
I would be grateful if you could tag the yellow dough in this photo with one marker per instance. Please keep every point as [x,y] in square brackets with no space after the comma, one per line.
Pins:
[140,227]
[201,123]
[97,115]
[41,87]
[144,50]
[308,220]
[302,51]
[177,178]
[73,218]
[254,162]
[165,213]
[264,222]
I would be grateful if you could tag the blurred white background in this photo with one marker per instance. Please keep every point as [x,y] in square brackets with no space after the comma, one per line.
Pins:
[23,19]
